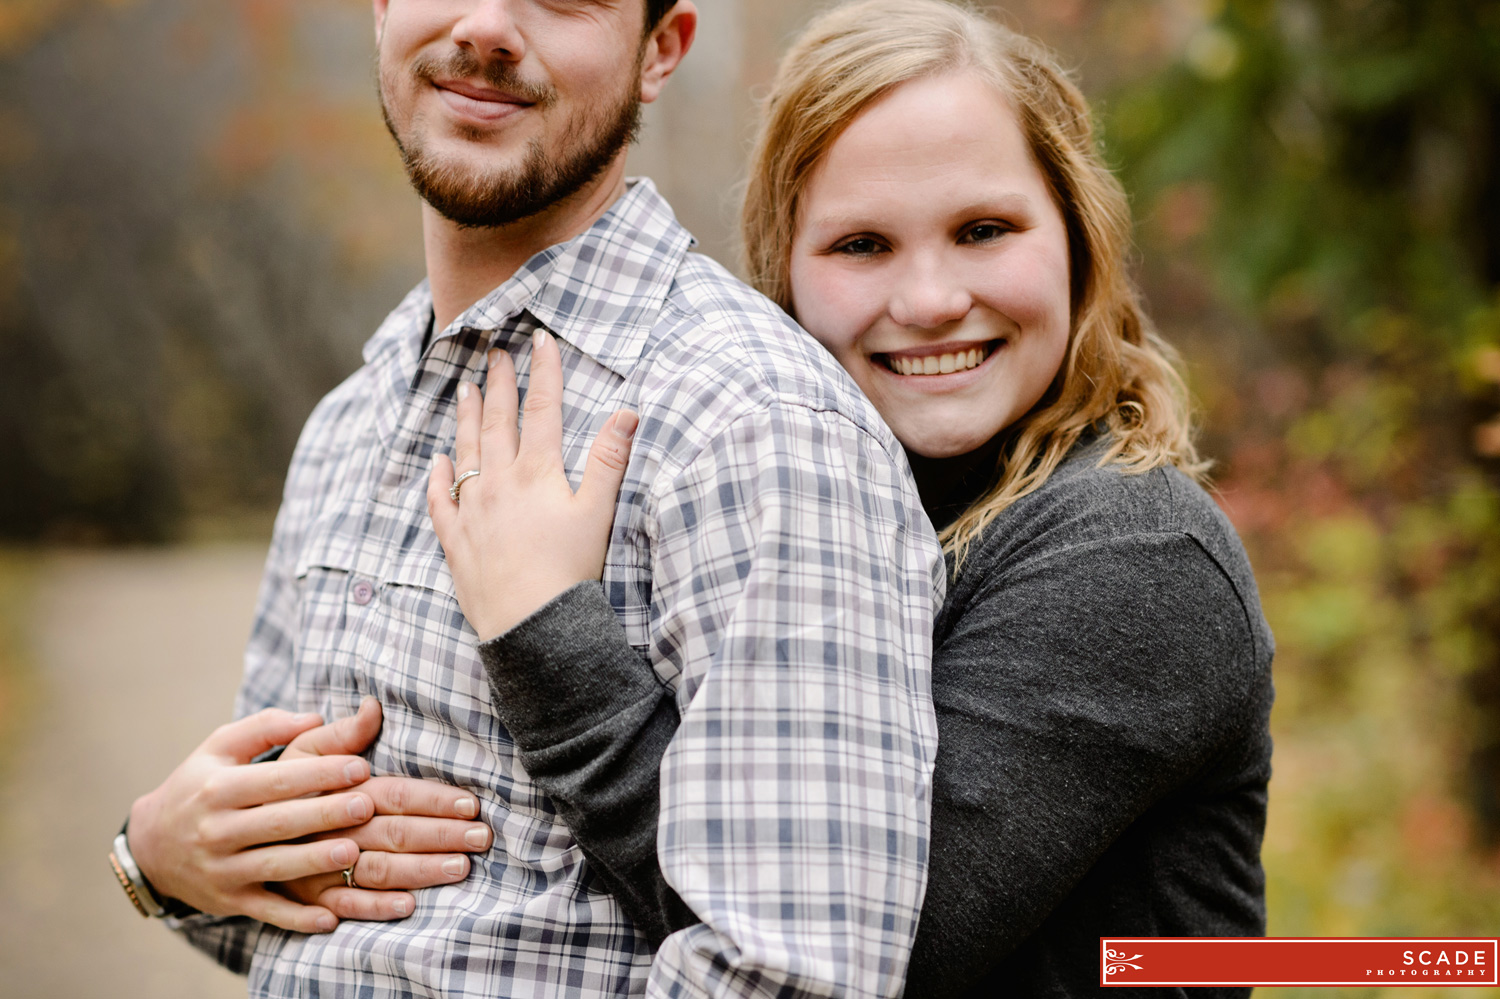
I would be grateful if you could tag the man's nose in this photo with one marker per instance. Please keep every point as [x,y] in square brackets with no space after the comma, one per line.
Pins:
[928,294]
[490,30]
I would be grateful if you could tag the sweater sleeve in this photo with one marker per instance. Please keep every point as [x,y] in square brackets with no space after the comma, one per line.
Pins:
[592,722]
[1073,691]
[1077,689]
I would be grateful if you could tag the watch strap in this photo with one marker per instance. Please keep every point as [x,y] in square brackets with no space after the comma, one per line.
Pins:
[147,902]
[132,880]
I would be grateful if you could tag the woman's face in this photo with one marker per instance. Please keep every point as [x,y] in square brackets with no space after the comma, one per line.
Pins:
[931,260]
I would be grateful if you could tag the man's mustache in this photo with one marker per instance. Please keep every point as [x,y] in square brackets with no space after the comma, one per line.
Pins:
[463,65]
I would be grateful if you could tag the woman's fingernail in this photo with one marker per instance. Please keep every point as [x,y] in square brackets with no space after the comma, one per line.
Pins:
[466,807]
[356,771]
[625,425]
[326,924]
[463,391]
[341,855]
[453,868]
[478,837]
[493,357]
[358,808]
[400,906]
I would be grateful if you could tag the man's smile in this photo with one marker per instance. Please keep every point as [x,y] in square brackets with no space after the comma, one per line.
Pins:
[476,101]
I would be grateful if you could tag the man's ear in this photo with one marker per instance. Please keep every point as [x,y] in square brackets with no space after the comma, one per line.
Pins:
[668,43]
[380,9]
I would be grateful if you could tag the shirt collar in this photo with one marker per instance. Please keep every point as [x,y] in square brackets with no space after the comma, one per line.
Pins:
[600,291]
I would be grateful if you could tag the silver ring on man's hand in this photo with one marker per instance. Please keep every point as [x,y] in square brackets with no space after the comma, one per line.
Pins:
[349,876]
[459,483]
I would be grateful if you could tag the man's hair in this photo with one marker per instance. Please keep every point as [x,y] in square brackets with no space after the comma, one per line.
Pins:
[656,10]
[1117,371]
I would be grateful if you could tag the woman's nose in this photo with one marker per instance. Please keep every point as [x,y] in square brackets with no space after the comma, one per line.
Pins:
[489,28]
[927,295]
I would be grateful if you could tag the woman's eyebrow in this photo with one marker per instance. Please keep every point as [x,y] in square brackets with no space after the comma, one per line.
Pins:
[858,220]
[844,221]
[1002,204]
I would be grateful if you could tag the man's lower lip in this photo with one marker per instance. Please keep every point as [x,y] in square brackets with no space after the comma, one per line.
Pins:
[482,110]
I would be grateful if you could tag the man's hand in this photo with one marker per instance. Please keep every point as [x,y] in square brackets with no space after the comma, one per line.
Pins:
[220,827]
[417,838]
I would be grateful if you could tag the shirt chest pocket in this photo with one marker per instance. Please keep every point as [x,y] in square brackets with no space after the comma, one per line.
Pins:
[386,596]
[366,601]
[627,583]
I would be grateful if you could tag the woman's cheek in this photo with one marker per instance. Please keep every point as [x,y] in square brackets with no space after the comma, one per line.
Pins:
[1031,294]
[832,306]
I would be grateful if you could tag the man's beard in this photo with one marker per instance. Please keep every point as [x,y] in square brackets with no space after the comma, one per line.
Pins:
[489,199]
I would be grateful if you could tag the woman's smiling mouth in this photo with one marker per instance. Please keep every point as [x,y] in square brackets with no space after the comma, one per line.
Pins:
[941,359]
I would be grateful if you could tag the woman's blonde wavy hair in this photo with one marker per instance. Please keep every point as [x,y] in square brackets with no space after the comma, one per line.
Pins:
[1117,374]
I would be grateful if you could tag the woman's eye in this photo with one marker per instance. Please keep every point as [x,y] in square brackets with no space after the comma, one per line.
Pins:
[860,246]
[984,232]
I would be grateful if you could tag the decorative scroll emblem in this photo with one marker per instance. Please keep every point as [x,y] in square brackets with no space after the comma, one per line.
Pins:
[1116,962]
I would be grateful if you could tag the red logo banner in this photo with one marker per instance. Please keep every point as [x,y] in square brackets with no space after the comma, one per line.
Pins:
[1264,961]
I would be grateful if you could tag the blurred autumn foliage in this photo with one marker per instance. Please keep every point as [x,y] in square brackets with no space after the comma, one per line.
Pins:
[1318,183]
[186,264]
[201,220]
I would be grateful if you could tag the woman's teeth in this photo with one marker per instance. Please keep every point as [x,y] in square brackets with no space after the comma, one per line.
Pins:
[938,364]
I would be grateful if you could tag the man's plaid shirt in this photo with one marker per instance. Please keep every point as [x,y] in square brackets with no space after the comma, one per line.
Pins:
[769,552]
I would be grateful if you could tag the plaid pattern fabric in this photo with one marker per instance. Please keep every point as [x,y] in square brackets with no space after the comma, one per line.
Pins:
[770,554]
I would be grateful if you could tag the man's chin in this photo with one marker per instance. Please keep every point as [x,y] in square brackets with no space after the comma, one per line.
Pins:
[477,150]
[470,208]
[481,187]
[501,173]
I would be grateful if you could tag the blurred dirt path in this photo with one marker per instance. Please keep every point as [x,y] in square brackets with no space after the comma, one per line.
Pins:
[137,657]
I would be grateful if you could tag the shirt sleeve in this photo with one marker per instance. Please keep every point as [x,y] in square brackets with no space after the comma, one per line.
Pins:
[793,591]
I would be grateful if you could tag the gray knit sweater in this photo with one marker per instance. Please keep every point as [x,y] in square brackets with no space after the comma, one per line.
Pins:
[1102,677]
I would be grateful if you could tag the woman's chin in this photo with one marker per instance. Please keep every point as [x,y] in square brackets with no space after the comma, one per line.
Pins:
[936,443]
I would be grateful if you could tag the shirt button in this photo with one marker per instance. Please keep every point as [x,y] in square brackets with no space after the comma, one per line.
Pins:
[363,592]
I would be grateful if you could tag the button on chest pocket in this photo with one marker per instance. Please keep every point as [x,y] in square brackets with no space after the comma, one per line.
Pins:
[384,620]
[330,593]
[418,630]
[367,602]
